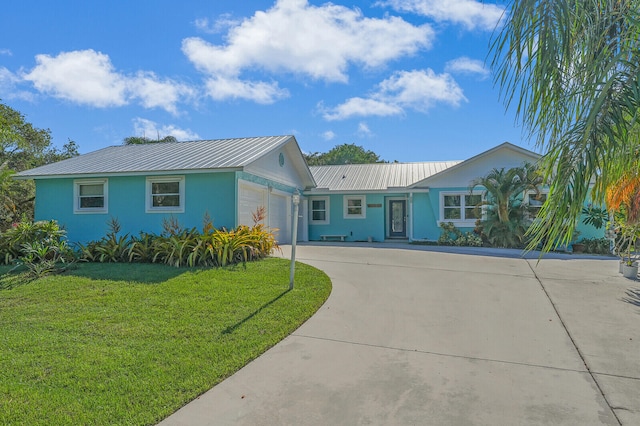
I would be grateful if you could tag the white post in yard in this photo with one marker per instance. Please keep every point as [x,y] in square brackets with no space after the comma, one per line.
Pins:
[294,236]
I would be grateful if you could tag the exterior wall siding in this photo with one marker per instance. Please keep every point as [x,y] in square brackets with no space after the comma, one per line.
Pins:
[204,194]
[269,167]
[373,225]
[425,211]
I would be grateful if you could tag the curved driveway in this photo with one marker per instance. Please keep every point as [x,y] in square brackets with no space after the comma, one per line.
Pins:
[415,336]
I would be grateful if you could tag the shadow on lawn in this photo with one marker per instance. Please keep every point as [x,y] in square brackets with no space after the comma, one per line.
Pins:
[632,297]
[233,327]
[139,273]
[10,280]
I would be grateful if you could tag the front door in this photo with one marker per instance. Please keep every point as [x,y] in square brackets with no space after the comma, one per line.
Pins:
[398,218]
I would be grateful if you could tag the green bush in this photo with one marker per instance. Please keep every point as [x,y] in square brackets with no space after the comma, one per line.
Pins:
[41,247]
[596,245]
[452,236]
[179,247]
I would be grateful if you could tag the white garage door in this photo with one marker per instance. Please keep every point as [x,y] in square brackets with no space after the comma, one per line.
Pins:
[250,197]
[279,217]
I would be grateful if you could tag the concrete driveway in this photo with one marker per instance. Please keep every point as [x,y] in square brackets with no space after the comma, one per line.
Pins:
[415,336]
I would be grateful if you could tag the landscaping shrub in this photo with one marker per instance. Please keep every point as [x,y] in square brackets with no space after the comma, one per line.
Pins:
[596,245]
[177,246]
[41,247]
[452,236]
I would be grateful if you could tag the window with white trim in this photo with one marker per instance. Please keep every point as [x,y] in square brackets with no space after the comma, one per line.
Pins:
[355,206]
[90,196]
[165,194]
[319,210]
[460,207]
[534,201]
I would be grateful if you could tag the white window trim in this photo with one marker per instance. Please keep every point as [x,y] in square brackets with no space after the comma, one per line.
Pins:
[327,219]
[363,203]
[148,196]
[527,197]
[460,222]
[90,210]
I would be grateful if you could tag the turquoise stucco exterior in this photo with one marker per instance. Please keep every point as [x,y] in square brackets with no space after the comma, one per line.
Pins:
[264,182]
[227,195]
[205,193]
[357,229]
[422,216]
[423,222]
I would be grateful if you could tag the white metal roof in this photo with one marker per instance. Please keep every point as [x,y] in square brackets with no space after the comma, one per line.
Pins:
[374,177]
[166,156]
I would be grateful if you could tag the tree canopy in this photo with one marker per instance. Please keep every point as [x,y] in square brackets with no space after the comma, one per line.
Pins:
[139,140]
[23,146]
[343,154]
[572,71]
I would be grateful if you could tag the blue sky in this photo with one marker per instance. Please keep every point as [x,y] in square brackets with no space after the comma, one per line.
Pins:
[404,78]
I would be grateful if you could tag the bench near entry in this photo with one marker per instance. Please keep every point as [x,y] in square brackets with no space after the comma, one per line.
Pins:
[332,237]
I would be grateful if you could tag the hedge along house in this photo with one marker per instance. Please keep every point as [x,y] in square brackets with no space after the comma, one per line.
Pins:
[407,201]
[143,185]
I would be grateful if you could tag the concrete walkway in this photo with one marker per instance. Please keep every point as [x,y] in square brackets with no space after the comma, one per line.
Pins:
[416,336]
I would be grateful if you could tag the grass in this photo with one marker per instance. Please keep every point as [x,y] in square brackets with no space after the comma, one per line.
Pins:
[130,344]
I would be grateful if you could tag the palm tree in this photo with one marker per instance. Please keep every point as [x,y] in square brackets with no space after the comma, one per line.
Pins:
[572,70]
[504,223]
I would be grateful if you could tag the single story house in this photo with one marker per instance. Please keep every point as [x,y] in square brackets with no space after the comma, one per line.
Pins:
[228,179]
[142,185]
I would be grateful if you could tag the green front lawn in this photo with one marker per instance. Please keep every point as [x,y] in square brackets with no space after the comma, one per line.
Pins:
[132,343]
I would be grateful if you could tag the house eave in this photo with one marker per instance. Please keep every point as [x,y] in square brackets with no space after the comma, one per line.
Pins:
[127,174]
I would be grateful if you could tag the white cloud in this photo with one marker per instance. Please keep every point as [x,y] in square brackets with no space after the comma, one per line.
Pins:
[88,77]
[361,107]
[221,88]
[464,65]
[363,130]
[151,129]
[421,89]
[328,135]
[223,23]
[156,93]
[321,42]
[6,52]
[418,90]
[470,13]
[8,83]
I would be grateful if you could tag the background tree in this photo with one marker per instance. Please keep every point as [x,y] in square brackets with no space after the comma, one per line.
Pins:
[22,147]
[343,154]
[139,140]
[572,70]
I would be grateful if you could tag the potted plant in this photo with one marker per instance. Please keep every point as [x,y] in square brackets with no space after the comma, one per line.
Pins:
[578,247]
[623,198]
[625,245]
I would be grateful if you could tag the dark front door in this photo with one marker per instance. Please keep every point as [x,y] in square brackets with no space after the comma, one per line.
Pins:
[398,218]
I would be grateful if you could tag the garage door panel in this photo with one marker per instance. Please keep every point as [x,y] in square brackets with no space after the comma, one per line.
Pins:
[250,198]
[279,217]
